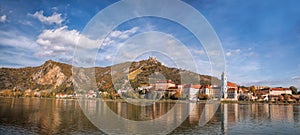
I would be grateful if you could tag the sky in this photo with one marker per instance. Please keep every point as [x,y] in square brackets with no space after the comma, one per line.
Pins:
[260,39]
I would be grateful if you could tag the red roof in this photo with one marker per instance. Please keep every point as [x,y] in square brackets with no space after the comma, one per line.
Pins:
[205,86]
[192,86]
[231,89]
[230,84]
[279,89]
[196,86]
[244,89]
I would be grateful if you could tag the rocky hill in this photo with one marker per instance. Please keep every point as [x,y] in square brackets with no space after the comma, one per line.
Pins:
[57,77]
[51,75]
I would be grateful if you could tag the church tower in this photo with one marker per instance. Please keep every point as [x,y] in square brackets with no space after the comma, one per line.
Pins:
[224,85]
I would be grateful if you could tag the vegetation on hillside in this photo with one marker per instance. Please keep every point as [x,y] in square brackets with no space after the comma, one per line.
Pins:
[57,77]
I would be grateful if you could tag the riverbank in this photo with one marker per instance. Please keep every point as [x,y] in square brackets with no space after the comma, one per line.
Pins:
[260,102]
[168,100]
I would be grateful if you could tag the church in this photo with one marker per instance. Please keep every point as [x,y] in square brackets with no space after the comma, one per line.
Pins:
[228,89]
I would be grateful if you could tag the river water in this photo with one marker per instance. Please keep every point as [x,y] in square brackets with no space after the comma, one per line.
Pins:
[65,116]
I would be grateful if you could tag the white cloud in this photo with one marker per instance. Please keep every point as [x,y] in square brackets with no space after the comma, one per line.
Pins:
[233,52]
[3,18]
[251,66]
[296,78]
[287,82]
[241,68]
[61,41]
[108,57]
[153,43]
[16,39]
[25,22]
[123,34]
[55,18]
[228,53]
[17,49]
[199,52]
[54,8]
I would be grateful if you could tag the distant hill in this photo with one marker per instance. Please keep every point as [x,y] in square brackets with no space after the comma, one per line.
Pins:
[57,76]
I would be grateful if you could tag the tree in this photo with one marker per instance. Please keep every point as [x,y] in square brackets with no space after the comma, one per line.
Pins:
[253,90]
[294,89]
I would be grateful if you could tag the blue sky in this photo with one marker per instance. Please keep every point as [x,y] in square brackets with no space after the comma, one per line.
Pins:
[260,38]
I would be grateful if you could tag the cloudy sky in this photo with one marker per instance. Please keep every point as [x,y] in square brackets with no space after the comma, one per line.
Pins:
[260,39]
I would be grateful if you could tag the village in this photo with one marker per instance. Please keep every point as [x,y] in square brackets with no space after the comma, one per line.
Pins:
[226,91]
[168,90]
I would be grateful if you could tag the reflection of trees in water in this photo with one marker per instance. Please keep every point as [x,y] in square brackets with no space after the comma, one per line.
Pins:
[142,112]
[44,116]
[52,116]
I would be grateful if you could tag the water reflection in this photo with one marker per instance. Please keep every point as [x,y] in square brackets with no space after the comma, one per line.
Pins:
[159,117]
[42,116]
[60,116]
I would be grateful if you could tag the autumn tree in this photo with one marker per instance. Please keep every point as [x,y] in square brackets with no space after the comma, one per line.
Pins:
[294,89]
[253,90]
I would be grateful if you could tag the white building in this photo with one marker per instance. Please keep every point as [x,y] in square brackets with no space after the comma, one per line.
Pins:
[279,91]
[224,85]
[212,91]
[228,89]
[163,85]
[192,91]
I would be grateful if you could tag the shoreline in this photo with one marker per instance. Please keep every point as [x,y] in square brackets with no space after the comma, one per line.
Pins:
[168,100]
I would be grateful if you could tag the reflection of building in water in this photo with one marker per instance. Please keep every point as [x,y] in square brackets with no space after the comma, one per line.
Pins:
[194,115]
[296,114]
[230,115]
[266,110]
[279,114]
[224,120]
[289,113]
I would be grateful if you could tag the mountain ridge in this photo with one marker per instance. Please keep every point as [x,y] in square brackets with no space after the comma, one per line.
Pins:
[57,76]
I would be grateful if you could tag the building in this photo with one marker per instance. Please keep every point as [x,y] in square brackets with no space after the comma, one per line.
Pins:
[229,89]
[192,91]
[224,85]
[260,87]
[205,89]
[28,93]
[244,94]
[232,90]
[279,90]
[212,91]
[145,87]
[59,95]
[172,90]
[163,85]
[243,90]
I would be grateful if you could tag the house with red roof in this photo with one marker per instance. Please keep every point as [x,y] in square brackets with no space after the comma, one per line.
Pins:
[279,90]
[232,90]
[192,91]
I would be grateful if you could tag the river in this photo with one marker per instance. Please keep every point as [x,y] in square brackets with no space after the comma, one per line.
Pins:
[65,116]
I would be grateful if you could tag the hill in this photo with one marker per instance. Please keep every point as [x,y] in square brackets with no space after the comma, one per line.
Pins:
[57,77]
